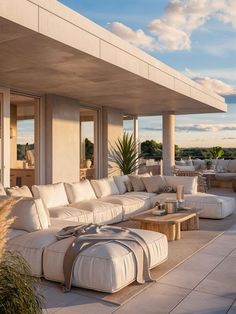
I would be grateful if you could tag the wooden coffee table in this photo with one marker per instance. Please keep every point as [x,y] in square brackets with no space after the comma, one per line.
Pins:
[170,224]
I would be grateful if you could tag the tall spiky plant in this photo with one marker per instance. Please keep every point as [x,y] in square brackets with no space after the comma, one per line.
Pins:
[18,289]
[125,154]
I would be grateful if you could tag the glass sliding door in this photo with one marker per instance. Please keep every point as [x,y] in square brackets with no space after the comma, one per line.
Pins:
[88,144]
[22,140]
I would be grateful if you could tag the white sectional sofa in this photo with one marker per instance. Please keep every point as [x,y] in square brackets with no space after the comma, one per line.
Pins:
[108,201]
[106,266]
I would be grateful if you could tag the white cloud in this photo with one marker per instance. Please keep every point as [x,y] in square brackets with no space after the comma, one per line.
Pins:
[216,86]
[169,37]
[137,38]
[174,29]
[206,128]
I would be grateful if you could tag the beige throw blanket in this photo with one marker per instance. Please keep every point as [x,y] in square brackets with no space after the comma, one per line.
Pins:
[86,236]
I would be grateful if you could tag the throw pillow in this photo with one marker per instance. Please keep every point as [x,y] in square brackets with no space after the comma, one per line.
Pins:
[137,183]
[79,191]
[104,187]
[129,186]
[52,195]
[29,214]
[120,182]
[16,191]
[154,184]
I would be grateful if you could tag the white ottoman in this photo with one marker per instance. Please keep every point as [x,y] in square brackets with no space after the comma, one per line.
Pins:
[213,206]
[106,267]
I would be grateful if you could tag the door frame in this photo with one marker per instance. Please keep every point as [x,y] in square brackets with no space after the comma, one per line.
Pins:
[5,136]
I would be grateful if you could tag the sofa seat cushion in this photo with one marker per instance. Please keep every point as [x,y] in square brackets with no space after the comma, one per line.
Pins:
[31,245]
[71,214]
[106,267]
[131,204]
[102,212]
[225,176]
[13,233]
[213,206]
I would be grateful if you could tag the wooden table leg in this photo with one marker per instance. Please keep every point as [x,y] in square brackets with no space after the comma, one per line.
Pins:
[177,232]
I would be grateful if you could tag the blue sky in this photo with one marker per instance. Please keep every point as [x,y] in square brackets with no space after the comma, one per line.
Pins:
[196,37]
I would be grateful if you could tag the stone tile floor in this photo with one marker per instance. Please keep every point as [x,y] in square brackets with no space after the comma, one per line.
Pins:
[205,283]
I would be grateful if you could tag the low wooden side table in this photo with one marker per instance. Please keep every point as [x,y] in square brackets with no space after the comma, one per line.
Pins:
[171,224]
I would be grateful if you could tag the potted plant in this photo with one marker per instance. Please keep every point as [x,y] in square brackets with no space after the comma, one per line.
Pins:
[125,154]
[18,289]
[208,164]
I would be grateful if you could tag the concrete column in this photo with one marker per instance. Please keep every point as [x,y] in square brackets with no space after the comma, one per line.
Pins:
[112,129]
[168,150]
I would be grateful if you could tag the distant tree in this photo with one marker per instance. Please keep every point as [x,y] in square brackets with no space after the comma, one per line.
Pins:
[216,152]
[89,149]
[151,149]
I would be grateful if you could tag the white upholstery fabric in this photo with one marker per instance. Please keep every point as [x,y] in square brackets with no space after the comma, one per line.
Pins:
[213,206]
[71,214]
[232,166]
[225,176]
[79,191]
[30,215]
[2,190]
[31,246]
[53,195]
[131,204]
[105,187]
[137,182]
[222,165]
[106,267]
[154,184]
[102,212]
[120,182]
[185,168]
[17,191]
[13,233]
[189,183]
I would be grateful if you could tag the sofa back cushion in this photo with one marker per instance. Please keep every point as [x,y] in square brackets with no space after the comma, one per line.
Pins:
[121,183]
[104,187]
[30,215]
[232,166]
[52,195]
[222,165]
[189,183]
[16,191]
[137,182]
[79,191]
[154,184]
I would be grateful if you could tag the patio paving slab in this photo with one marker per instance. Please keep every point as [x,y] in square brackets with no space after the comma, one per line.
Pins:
[192,271]
[68,303]
[222,280]
[232,310]
[160,298]
[203,303]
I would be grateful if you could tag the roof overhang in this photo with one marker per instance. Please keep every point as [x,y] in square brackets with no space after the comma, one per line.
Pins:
[46,48]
